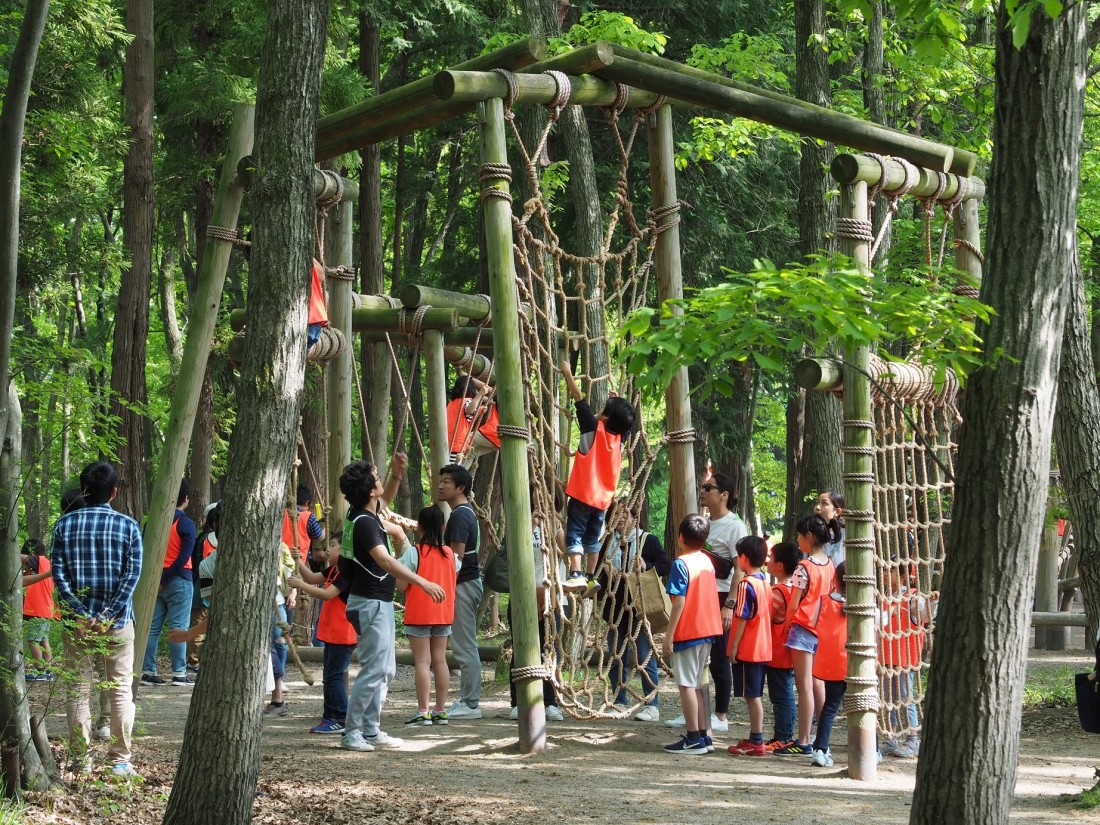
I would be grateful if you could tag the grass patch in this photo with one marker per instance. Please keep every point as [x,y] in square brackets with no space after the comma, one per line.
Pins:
[1087,800]
[1049,687]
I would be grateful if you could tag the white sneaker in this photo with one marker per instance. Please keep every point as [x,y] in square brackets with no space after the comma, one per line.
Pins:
[648,713]
[102,733]
[719,725]
[355,741]
[384,740]
[678,722]
[822,759]
[554,714]
[460,710]
[513,714]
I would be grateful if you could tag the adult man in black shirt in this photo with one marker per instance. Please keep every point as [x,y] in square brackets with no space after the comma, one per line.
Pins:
[370,571]
[462,536]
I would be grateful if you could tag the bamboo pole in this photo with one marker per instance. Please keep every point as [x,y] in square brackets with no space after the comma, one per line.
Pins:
[662,176]
[715,92]
[513,420]
[435,392]
[185,399]
[848,168]
[585,90]
[399,118]
[348,121]
[339,372]
[861,703]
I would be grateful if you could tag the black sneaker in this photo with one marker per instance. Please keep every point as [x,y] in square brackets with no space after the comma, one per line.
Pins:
[183,681]
[152,679]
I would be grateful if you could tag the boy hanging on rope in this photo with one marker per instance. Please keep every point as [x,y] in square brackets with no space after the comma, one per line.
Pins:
[318,309]
[592,481]
[471,424]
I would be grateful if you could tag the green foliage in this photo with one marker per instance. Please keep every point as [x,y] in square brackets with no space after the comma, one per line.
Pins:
[769,461]
[772,315]
[613,27]
[758,59]
[1049,687]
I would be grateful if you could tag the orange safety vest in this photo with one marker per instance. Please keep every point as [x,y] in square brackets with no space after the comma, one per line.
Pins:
[174,548]
[902,642]
[489,428]
[821,578]
[38,600]
[831,659]
[333,627]
[781,597]
[458,425]
[595,474]
[206,549]
[701,617]
[299,527]
[438,568]
[756,641]
[318,311]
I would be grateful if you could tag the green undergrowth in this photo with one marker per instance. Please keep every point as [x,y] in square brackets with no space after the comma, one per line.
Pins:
[1049,687]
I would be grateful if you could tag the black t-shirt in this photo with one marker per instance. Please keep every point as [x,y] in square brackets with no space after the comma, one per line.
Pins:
[365,577]
[463,527]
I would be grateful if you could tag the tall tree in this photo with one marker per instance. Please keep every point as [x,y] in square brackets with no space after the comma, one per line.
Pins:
[132,313]
[219,764]
[978,664]
[13,695]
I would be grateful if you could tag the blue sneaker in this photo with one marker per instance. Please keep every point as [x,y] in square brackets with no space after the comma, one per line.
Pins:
[686,747]
[709,743]
[794,749]
[327,726]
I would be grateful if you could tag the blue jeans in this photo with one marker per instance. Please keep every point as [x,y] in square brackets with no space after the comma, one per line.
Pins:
[278,649]
[336,659]
[781,694]
[622,668]
[899,691]
[583,526]
[834,696]
[173,604]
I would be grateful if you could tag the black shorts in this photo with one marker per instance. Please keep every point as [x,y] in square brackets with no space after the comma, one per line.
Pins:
[748,679]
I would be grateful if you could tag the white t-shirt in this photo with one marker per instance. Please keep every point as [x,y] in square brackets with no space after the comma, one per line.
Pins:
[410,559]
[725,532]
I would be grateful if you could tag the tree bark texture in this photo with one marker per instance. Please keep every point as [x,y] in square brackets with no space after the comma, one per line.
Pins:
[166,291]
[874,99]
[1076,423]
[374,358]
[820,468]
[219,763]
[132,312]
[978,663]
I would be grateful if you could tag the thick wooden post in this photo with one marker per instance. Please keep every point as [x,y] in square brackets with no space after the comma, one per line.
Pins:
[1046,591]
[513,422]
[196,351]
[339,375]
[435,391]
[662,174]
[861,702]
[968,243]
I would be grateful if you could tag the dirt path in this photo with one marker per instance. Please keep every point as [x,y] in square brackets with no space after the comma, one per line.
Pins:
[594,771]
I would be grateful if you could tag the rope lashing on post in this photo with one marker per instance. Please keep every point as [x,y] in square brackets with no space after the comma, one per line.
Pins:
[532,672]
[854,229]
[488,319]
[561,97]
[618,106]
[514,432]
[341,273]
[513,90]
[653,108]
[487,173]
[224,233]
[685,436]
[330,344]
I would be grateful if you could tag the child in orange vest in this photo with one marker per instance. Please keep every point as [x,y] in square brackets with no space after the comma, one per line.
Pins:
[592,481]
[465,412]
[38,609]
[334,629]
[904,616]
[812,581]
[318,308]
[694,624]
[831,666]
[785,557]
[427,622]
[750,647]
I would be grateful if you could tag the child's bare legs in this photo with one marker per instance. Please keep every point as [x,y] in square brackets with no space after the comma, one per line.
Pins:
[422,664]
[441,671]
[590,560]
[804,682]
[692,701]
[39,657]
[756,715]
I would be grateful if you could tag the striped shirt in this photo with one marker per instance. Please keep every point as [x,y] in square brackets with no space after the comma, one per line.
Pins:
[96,558]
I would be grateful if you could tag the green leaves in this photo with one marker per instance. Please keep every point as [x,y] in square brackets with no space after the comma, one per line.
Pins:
[775,315]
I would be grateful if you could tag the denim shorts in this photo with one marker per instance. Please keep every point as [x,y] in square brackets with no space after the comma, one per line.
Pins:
[799,638]
[423,631]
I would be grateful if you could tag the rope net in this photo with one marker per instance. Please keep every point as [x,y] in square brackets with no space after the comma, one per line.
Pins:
[593,645]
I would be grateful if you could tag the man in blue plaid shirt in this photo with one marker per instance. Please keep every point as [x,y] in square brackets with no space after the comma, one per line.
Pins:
[96,559]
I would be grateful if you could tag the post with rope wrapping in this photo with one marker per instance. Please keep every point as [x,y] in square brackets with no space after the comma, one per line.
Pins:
[666,219]
[435,370]
[861,702]
[339,377]
[495,174]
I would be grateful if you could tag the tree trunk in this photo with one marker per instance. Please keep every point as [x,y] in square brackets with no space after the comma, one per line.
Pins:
[132,314]
[875,101]
[979,660]
[796,425]
[1076,422]
[166,290]
[374,358]
[820,469]
[313,452]
[219,764]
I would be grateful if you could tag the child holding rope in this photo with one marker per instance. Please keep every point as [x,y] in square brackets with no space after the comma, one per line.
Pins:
[592,481]
[812,581]
[471,423]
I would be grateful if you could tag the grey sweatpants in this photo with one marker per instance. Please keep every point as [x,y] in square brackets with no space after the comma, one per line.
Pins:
[464,640]
[374,650]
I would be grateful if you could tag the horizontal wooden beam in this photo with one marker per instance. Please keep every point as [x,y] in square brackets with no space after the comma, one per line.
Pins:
[847,169]
[461,337]
[901,380]
[470,362]
[401,117]
[326,187]
[338,125]
[701,88]
[237,316]
[474,307]
[585,90]
[1059,619]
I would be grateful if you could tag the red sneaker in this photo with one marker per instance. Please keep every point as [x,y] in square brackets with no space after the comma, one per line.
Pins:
[747,748]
